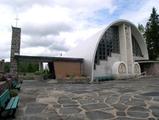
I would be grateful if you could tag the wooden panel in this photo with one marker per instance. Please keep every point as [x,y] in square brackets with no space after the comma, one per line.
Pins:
[63,69]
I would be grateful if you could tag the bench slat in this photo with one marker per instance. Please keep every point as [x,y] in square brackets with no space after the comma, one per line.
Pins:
[17,86]
[4,97]
[9,105]
[15,103]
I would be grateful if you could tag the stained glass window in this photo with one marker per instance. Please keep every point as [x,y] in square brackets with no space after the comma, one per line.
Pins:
[108,44]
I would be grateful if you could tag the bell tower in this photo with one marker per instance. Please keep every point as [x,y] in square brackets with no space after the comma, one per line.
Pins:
[15,49]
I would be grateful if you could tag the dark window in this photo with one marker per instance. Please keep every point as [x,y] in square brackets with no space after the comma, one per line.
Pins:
[136,47]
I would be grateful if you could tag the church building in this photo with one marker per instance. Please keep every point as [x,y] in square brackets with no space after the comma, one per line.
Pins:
[111,53]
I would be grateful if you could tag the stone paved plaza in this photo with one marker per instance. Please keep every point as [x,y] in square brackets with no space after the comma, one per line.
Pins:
[112,100]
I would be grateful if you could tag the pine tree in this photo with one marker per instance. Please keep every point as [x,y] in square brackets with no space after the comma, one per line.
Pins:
[141,28]
[152,35]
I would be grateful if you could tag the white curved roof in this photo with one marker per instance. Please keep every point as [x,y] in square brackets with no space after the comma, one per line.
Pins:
[87,49]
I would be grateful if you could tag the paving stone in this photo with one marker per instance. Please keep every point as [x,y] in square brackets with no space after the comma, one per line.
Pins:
[137,109]
[141,97]
[69,105]
[74,117]
[126,90]
[17,118]
[90,107]
[138,114]
[24,99]
[56,105]
[80,91]
[112,99]
[119,106]
[69,110]
[106,93]
[54,117]
[119,113]
[34,118]
[98,115]
[101,97]
[151,119]
[155,110]
[19,112]
[35,108]
[136,102]
[48,112]
[125,99]
[31,92]
[156,98]
[98,95]
[51,115]
[127,118]
[87,101]
[66,101]
[151,94]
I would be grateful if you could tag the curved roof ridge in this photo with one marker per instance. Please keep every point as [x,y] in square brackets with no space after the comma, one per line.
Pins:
[85,43]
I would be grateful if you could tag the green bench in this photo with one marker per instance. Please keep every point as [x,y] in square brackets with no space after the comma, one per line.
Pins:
[16,85]
[103,78]
[8,103]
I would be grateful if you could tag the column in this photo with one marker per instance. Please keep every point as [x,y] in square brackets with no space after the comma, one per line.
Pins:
[130,62]
[122,39]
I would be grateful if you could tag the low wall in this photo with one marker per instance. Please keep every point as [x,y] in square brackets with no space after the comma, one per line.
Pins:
[151,68]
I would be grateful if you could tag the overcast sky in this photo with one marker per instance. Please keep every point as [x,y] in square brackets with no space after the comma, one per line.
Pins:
[50,27]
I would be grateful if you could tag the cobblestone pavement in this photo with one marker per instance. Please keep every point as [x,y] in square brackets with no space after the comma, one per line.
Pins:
[112,100]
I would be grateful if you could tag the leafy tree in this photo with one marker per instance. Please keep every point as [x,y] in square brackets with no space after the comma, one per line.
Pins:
[152,35]
[7,67]
[30,68]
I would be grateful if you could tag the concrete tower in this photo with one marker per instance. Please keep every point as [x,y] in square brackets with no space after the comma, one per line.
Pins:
[15,49]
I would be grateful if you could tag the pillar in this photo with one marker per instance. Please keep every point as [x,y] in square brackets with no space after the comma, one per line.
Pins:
[122,39]
[40,66]
[130,61]
[126,47]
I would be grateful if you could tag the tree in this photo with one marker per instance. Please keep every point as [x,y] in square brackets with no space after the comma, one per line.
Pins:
[141,28]
[26,67]
[7,67]
[152,35]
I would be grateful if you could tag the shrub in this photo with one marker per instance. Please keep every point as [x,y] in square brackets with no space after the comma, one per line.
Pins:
[13,92]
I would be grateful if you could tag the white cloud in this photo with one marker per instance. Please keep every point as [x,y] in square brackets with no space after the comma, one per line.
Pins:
[141,15]
[39,14]
[50,27]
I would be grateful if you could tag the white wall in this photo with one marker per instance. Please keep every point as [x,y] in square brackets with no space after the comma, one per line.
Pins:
[105,66]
